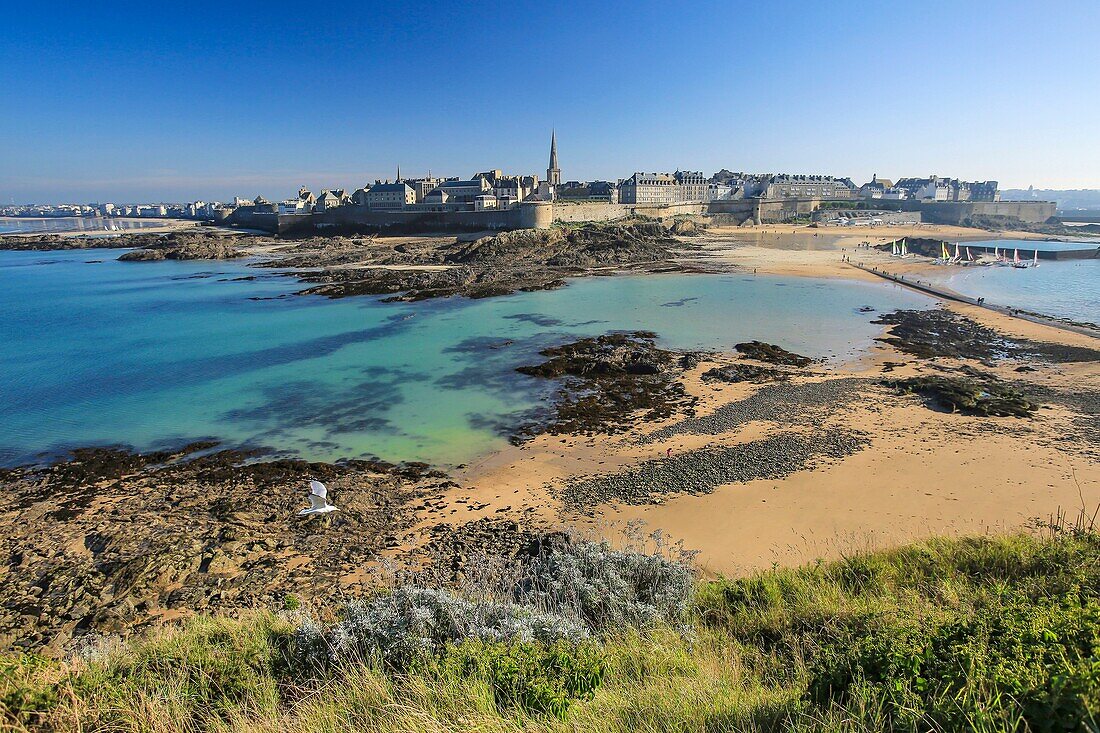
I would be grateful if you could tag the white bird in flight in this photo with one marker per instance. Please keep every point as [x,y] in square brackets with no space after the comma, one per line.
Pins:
[318,500]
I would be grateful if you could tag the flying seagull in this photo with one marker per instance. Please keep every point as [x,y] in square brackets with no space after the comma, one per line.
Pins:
[318,500]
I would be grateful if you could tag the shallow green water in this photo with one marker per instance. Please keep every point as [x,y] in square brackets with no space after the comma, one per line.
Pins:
[154,354]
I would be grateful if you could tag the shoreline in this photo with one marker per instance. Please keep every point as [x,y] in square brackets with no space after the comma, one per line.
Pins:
[807,462]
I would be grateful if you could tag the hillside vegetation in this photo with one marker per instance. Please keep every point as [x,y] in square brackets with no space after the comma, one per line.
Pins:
[973,634]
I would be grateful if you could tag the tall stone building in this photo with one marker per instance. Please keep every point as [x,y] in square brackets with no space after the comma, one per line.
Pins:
[649,188]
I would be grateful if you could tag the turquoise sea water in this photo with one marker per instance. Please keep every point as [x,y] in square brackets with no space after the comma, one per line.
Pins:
[153,354]
[1063,288]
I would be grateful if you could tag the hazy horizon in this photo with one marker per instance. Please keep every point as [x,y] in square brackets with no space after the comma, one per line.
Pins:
[135,103]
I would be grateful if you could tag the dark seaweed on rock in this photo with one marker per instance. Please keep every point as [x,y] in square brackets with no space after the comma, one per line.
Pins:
[940,333]
[606,380]
[987,398]
[734,373]
[771,353]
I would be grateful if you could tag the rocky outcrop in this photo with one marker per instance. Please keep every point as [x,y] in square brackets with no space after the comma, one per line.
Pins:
[184,247]
[111,541]
[503,263]
[45,242]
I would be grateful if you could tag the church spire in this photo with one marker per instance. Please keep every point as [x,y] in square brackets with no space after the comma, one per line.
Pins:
[553,173]
[398,179]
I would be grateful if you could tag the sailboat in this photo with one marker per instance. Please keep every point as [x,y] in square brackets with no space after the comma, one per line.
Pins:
[1016,260]
[904,249]
[1035,259]
[957,258]
[943,252]
[895,252]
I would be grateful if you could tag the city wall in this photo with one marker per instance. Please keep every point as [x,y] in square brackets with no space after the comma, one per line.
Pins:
[533,215]
[958,212]
[542,214]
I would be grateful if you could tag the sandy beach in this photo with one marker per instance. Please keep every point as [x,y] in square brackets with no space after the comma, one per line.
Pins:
[923,473]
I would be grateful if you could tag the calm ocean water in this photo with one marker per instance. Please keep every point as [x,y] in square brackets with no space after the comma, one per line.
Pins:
[64,224]
[1065,288]
[153,354]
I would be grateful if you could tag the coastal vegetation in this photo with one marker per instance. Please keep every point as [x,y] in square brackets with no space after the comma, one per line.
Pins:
[987,633]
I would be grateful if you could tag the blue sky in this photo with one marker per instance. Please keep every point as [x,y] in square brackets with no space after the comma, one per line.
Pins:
[128,102]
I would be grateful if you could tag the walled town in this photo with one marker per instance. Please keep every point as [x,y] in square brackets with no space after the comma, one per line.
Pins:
[493,200]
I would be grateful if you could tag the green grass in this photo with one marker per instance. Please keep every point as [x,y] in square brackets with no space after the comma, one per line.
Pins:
[975,634]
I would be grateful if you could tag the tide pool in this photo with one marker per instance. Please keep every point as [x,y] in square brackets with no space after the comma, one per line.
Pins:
[152,355]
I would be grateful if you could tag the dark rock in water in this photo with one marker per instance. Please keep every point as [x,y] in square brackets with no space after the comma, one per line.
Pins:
[734,373]
[185,247]
[771,353]
[605,381]
[987,398]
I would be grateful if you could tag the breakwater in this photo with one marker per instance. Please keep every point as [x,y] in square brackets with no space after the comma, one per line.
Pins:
[944,293]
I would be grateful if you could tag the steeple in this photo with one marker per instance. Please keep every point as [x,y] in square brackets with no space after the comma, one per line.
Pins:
[398,179]
[553,173]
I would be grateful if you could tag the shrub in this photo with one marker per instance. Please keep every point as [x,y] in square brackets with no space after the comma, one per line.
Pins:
[610,589]
[539,678]
[407,625]
[1015,660]
[23,699]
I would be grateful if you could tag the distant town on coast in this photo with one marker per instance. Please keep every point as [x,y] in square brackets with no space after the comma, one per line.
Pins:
[493,199]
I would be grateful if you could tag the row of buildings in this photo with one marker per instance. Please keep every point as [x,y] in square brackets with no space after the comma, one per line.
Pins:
[494,190]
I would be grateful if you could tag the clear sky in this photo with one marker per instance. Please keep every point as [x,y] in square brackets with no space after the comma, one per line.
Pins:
[138,102]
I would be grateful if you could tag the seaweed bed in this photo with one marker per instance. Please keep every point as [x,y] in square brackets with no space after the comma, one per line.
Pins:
[605,381]
[940,333]
[987,398]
